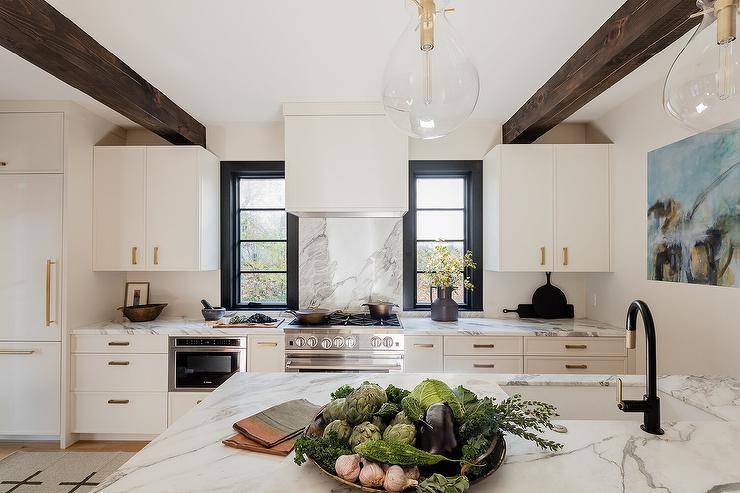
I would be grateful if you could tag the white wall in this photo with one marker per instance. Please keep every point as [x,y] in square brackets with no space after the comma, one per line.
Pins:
[698,326]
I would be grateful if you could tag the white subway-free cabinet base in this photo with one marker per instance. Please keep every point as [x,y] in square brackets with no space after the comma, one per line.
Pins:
[423,354]
[119,412]
[180,403]
[266,353]
[30,381]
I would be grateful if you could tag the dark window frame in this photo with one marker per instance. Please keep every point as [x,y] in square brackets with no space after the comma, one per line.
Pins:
[231,173]
[472,172]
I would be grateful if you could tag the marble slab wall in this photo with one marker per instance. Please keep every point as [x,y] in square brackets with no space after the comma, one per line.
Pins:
[344,262]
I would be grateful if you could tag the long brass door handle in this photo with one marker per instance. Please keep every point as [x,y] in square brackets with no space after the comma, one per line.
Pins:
[270,344]
[17,352]
[542,255]
[118,401]
[156,255]
[565,255]
[576,367]
[48,318]
[424,345]
[134,259]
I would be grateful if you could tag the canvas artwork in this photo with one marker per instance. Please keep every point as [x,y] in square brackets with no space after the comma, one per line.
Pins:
[694,210]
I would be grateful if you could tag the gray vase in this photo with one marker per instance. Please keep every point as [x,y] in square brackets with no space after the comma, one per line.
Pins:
[444,308]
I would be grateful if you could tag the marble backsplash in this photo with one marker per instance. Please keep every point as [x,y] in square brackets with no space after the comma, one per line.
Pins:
[344,262]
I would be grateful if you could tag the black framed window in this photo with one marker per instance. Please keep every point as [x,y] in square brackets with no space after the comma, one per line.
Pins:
[445,202]
[259,240]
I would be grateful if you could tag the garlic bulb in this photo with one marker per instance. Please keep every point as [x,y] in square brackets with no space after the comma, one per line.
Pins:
[412,472]
[348,467]
[396,480]
[371,474]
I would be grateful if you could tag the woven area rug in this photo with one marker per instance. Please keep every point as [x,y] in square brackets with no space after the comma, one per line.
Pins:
[57,472]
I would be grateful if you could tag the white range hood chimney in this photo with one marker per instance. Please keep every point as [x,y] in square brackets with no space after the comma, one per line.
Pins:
[344,160]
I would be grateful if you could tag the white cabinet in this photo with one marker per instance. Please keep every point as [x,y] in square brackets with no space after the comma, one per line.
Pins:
[31,142]
[156,209]
[266,353]
[547,208]
[30,381]
[30,256]
[180,403]
[119,190]
[127,372]
[334,152]
[129,413]
[423,354]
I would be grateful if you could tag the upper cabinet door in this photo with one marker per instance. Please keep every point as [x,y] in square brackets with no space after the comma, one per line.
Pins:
[526,208]
[119,215]
[172,190]
[30,256]
[582,208]
[31,142]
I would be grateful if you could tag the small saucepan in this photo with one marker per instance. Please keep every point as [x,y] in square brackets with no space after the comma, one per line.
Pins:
[310,315]
[380,309]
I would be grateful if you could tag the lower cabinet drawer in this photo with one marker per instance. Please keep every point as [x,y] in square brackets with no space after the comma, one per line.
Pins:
[119,372]
[575,346]
[182,402]
[119,343]
[480,345]
[484,364]
[119,412]
[606,366]
[423,354]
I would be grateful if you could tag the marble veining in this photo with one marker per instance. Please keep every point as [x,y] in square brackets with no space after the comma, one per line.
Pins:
[717,395]
[344,263]
[604,456]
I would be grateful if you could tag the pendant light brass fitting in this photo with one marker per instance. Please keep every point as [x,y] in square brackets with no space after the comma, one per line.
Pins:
[726,13]
[427,9]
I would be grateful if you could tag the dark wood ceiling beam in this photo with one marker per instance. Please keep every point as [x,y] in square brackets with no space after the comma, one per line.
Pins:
[638,30]
[38,32]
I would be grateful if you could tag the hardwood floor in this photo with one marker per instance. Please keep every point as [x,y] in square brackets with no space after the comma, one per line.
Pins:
[7,448]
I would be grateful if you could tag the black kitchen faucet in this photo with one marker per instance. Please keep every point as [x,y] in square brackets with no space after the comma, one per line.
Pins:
[650,404]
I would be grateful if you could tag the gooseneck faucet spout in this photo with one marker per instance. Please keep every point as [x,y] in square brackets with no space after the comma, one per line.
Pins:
[650,404]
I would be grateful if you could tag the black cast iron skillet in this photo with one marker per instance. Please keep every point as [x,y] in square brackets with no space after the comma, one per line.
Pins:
[549,301]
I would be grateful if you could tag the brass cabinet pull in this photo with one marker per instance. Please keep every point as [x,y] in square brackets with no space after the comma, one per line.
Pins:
[198,401]
[576,346]
[424,345]
[118,363]
[119,343]
[118,401]
[49,263]
[17,352]
[3,163]
[480,365]
[576,367]
[156,255]
[484,346]
[565,255]
[270,344]
[134,251]
[542,255]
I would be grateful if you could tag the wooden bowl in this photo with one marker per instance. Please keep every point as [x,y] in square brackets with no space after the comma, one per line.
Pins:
[142,313]
[494,457]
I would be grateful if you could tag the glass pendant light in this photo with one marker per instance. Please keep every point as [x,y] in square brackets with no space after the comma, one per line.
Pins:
[430,87]
[702,88]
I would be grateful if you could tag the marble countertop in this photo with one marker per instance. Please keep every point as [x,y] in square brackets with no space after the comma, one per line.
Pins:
[411,326]
[608,456]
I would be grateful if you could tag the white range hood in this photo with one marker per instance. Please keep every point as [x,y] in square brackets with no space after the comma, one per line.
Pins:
[344,160]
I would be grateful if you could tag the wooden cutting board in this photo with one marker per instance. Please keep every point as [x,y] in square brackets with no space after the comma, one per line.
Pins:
[224,324]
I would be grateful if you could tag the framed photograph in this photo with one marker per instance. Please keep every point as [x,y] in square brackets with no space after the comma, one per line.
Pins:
[137,293]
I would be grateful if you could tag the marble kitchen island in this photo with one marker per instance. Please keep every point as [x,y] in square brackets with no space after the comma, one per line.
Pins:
[602,456]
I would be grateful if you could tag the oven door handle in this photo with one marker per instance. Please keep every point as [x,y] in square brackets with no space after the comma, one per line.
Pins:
[290,365]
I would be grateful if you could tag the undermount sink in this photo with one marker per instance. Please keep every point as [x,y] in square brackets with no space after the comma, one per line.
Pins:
[599,403]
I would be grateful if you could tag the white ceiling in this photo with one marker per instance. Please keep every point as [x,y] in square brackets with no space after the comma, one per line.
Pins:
[237,60]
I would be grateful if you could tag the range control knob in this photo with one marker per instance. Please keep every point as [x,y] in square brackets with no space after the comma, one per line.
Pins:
[326,343]
[376,341]
[299,341]
[312,341]
[350,342]
[388,341]
[338,342]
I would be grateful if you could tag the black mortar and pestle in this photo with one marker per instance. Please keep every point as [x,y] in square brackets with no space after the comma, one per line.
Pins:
[211,313]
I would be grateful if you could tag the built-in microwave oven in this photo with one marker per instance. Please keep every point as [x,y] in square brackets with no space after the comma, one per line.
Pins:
[198,364]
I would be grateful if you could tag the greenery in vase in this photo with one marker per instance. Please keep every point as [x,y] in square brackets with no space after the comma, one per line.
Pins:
[444,269]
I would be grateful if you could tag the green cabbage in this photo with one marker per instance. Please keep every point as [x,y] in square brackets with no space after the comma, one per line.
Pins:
[432,391]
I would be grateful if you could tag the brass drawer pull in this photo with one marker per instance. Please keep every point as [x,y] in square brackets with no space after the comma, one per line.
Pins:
[134,251]
[270,344]
[17,352]
[198,401]
[565,255]
[484,346]
[118,363]
[118,401]
[576,367]
[480,365]
[156,255]
[576,346]
[49,320]
[424,345]
[542,255]
[119,343]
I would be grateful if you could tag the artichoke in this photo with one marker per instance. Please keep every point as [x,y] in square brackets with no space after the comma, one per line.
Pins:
[401,418]
[388,410]
[377,391]
[379,423]
[361,404]
[341,428]
[362,433]
[400,433]
[336,409]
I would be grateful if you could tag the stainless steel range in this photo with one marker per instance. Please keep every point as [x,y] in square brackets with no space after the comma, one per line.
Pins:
[352,343]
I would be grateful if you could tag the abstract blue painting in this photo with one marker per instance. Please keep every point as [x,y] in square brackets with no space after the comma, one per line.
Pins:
[694,210]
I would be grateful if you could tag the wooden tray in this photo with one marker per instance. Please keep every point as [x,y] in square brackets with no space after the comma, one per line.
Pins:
[224,324]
